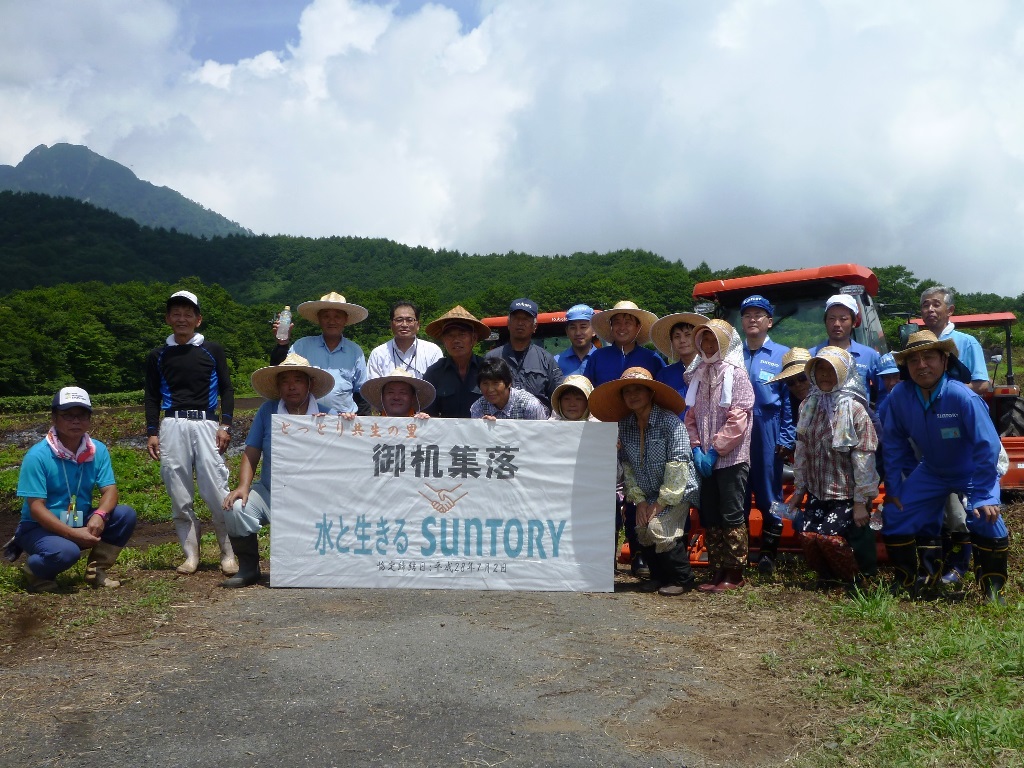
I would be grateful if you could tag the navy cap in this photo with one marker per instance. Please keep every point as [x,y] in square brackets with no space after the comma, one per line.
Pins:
[523,305]
[579,312]
[759,302]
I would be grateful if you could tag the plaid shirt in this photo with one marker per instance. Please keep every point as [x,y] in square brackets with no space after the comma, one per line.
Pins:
[521,405]
[664,441]
[832,475]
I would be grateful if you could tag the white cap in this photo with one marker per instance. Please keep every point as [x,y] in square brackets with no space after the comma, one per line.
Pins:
[845,301]
[187,296]
[71,397]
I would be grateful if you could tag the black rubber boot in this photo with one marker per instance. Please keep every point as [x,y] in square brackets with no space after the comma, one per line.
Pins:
[771,533]
[247,550]
[902,551]
[929,571]
[956,550]
[990,566]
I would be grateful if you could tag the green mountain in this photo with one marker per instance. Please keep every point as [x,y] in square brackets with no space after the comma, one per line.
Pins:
[69,170]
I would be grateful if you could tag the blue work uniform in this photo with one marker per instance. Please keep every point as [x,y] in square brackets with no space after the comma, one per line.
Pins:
[772,425]
[570,363]
[673,376]
[608,363]
[868,363]
[959,448]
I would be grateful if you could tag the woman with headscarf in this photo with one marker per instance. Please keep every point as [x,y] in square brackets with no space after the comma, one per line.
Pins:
[719,401]
[571,400]
[835,469]
[657,469]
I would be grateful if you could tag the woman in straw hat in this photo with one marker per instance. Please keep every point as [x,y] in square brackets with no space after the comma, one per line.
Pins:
[657,469]
[331,351]
[399,394]
[291,388]
[720,399]
[454,377]
[571,400]
[673,337]
[835,469]
[795,377]
[626,328]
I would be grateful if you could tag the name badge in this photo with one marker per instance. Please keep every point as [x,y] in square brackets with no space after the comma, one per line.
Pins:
[950,433]
[73,516]
[765,376]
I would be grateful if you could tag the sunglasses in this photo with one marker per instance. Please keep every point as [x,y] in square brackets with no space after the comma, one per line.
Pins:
[798,379]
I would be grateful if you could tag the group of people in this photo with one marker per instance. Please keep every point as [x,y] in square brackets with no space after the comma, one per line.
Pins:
[712,428]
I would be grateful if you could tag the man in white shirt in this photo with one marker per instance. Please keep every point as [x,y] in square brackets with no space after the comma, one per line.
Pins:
[406,350]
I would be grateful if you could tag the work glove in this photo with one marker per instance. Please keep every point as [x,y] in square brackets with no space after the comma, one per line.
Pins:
[704,461]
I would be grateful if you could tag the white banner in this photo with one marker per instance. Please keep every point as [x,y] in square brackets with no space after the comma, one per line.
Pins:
[442,504]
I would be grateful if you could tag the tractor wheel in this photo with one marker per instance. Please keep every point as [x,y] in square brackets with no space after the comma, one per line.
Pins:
[1011,424]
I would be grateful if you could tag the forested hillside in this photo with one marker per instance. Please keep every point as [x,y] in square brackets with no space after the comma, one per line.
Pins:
[62,329]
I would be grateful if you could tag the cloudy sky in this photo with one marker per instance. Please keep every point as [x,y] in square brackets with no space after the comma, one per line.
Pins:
[774,133]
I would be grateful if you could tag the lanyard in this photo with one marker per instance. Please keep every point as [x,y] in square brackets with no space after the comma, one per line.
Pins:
[409,365]
[73,515]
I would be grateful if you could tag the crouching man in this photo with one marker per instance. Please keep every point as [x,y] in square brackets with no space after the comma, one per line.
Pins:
[58,519]
[950,425]
[292,389]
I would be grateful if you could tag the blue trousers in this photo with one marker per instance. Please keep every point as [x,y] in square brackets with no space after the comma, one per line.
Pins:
[764,483]
[924,498]
[50,554]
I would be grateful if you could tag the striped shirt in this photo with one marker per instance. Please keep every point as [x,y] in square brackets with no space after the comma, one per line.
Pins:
[521,405]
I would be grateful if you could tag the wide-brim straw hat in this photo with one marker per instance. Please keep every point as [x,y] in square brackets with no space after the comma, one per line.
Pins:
[924,340]
[606,400]
[661,331]
[373,389]
[457,314]
[264,380]
[794,363]
[575,381]
[837,357]
[602,321]
[332,300]
[722,330]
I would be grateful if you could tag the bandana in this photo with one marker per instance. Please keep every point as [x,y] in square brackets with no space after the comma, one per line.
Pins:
[86,451]
[838,403]
[716,369]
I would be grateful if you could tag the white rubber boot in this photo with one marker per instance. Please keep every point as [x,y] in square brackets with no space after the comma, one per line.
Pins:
[188,535]
[101,557]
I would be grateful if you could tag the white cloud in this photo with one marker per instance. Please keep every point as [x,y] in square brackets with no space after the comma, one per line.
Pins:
[778,134]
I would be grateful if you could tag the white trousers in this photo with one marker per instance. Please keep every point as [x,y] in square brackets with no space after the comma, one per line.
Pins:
[244,520]
[187,446]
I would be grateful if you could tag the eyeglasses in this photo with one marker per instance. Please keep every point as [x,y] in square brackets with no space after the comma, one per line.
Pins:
[404,320]
[74,416]
[799,379]
[757,317]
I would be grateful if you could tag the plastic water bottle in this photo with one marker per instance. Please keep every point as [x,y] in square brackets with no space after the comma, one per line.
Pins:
[284,324]
[877,518]
[781,510]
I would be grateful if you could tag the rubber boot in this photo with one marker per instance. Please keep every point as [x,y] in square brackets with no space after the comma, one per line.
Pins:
[101,557]
[733,580]
[228,561]
[990,566]
[36,584]
[929,571]
[957,550]
[713,539]
[734,556]
[902,551]
[771,533]
[247,550]
[188,536]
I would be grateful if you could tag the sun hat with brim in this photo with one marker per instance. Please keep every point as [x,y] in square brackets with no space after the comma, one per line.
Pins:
[457,315]
[661,331]
[373,389]
[332,300]
[793,363]
[602,321]
[606,401]
[575,381]
[922,341]
[264,380]
[722,331]
[837,357]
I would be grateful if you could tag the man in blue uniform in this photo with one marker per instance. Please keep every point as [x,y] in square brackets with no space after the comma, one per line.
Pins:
[842,315]
[581,340]
[774,433]
[950,427]
[627,328]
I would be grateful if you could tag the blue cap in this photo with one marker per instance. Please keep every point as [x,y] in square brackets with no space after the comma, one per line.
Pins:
[758,301]
[523,305]
[887,365]
[579,312]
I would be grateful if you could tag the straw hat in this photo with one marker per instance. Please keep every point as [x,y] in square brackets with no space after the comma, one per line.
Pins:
[793,363]
[575,381]
[332,300]
[373,389]
[602,321]
[606,400]
[837,357]
[922,340]
[264,380]
[458,314]
[661,331]
[722,330]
